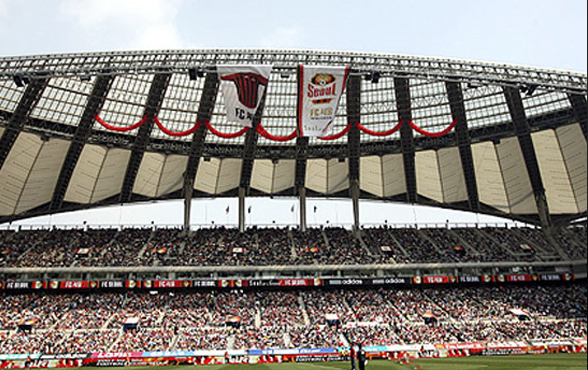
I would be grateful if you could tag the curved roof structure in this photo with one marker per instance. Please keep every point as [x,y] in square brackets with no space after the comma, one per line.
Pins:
[518,148]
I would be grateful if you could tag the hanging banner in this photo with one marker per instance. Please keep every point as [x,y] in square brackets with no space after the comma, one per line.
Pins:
[319,92]
[243,87]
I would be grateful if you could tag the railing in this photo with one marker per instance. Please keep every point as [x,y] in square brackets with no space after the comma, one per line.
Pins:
[579,266]
[349,226]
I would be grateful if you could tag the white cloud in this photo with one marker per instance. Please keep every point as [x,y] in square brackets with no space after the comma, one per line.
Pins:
[4,5]
[133,24]
[284,38]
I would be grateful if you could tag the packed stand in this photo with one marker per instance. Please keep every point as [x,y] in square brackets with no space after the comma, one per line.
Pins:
[92,244]
[54,248]
[488,250]
[419,249]
[126,248]
[513,244]
[379,239]
[573,241]
[69,323]
[451,245]
[198,338]
[163,243]
[220,246]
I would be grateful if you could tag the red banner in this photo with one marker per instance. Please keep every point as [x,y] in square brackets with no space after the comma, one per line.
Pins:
[299,282]
[439,279]
[520,278]
[78,284]
[171,284]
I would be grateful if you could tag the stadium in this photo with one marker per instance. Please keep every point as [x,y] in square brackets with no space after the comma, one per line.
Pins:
[89,130]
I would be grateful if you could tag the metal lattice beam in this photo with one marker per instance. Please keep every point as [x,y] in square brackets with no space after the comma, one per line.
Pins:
[84,130]
[402,91]
[523,132]
[580,108]
[353,142]
[207,103]
[458,111]
[29,100]
[301,161]
[353,117]
[154,100]
[148,62]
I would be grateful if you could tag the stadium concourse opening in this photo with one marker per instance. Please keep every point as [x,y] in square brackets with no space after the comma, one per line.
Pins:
[81,131]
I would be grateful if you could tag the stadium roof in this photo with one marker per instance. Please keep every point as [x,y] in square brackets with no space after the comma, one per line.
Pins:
[518,148]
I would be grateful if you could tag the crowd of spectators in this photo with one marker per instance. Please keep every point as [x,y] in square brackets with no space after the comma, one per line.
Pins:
[487,249]
[317,336]
[202,338]
[419,248]
[220,246]
[573,242]
[378,238]
[80,341]
[260,338]
[69,323]
[144,340]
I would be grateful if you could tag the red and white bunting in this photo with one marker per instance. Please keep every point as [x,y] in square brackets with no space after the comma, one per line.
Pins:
[243,88]
[319,92]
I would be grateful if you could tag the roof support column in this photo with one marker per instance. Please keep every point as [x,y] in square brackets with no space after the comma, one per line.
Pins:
[242,192]
[27,102]
[248,158]
[523,132]
[207,102]
[580,108]
[301,161]
[402,90]
[300,178]
[458,112]
[353,142]
[302,199]
[154,100]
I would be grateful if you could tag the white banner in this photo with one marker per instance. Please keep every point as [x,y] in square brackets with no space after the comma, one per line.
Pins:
[243,87]
[319,92]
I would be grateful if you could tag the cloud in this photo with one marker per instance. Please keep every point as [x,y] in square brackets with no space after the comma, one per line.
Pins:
[133,24]
[4,5]
[284,38]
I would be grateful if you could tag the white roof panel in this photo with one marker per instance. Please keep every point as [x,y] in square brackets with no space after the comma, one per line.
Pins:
[112,174]
[573,147]
[371,178]
[172,177]
[284,175]
[554,174]
[16,170]
[149,174]
[516,178]
[327,176]
[207,175]
[489,180]
[428,176]
[83,180]
[218,176]
[43,175]
[452,176]
[262,175]
[229,175]
[393,173]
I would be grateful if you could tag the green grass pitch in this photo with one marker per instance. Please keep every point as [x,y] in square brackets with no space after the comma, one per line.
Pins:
[537,362]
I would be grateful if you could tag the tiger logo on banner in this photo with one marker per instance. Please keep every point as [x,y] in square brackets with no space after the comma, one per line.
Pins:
[319,92]
[242,88]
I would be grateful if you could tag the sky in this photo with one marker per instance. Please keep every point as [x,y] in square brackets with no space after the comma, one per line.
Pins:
[538,33]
